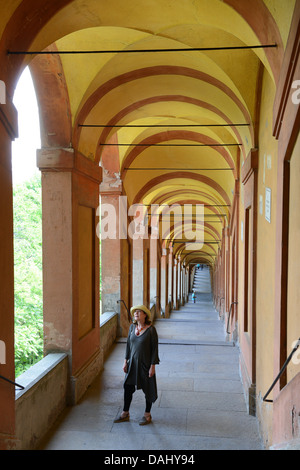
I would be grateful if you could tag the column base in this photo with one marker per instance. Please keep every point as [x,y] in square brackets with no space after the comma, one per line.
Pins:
[9,442]
[80,382]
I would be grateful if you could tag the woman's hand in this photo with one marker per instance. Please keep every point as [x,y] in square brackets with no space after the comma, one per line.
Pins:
[125,366]
[152,370]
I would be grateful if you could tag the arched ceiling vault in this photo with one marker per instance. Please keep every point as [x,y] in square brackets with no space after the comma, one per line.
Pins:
[176,126]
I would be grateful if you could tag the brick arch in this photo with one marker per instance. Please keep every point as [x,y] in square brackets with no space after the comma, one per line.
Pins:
[173,227]
[53,98]
[200,254]
[25,23]
[207,225]
[163,98]
[185,255]
[172,193]
[194,202]
[259,18]
[127,77]
[29,18]
[177,135]
[202,260]
[180,175]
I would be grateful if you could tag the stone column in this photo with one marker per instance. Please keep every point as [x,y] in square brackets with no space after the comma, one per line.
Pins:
[153,269]
[155,273]
[187,280]
[140,272]
[146,272]
[111,248]
[183,274]
[179,281]
[171,276]
[175,284]
[164,283]
[8,131]
[70,200]
[115,244]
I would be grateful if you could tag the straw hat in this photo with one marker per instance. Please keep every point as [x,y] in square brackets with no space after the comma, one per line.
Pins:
[143,308]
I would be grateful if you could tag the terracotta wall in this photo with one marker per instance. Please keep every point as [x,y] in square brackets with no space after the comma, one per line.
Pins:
[8,130]
[293,299]
[266,254]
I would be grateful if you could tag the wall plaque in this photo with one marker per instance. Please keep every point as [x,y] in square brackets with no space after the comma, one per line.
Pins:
[268,205]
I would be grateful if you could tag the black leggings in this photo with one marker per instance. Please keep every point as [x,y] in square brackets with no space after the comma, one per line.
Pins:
[128,392]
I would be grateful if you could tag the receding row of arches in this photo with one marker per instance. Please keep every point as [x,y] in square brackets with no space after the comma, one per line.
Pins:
[184,105]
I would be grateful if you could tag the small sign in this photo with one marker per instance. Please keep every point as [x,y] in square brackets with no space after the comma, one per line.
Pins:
[268,205]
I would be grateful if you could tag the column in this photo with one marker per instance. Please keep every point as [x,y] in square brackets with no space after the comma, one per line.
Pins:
[171,276]
[175,284]
[116,262]
[112,300]
[164,283]
[70,200]
[187,277]
[183,284]
[154,275]
[179,268]
[8,131]
[140,272]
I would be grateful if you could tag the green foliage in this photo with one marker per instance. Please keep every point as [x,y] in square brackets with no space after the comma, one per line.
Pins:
[28,274]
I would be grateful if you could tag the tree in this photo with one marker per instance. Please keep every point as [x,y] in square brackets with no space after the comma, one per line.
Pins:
[28,274]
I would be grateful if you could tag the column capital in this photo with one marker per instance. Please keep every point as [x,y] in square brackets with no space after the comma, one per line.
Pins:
[164,252]
[68,159]
[111,185]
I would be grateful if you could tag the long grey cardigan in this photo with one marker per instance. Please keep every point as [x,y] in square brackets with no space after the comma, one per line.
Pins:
[141,352]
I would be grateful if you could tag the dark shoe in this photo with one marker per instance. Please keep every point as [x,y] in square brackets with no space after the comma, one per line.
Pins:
[145,420]
[121,419]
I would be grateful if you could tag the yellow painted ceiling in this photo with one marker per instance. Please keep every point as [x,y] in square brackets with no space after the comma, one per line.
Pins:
[170,90]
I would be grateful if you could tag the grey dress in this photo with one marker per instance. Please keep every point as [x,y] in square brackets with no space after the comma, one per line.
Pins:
[141,352]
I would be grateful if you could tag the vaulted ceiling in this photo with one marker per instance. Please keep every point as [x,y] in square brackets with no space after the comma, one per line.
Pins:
[179,121]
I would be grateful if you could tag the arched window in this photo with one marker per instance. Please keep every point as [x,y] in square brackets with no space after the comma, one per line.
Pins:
[27,229]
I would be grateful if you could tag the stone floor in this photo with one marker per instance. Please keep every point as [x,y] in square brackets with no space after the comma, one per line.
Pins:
[200,403]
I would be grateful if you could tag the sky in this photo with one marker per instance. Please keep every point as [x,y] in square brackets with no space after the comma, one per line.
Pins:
[24,147]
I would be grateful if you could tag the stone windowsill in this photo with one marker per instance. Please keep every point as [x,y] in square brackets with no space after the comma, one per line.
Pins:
[36,372]
[39,370]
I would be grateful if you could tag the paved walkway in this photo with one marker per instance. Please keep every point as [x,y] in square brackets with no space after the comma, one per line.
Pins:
[200,406]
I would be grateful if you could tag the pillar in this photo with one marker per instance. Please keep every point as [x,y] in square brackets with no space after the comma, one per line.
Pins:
[8,131]
[115,244]
[164,283]
[140,272]
[187,280]
[175,284]
[110,251]
[112,244]
[153,269]
[171,276]
[70,200]
[179,281]
[183,283]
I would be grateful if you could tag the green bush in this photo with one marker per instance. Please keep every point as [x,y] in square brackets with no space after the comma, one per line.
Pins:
[28,274]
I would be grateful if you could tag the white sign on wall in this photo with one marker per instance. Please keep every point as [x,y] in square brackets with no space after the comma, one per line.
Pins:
[268,205]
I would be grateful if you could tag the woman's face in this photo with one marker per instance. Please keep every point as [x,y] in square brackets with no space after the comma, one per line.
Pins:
[140,316]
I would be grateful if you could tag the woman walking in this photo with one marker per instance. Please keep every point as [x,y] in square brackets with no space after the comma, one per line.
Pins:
[141,358]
